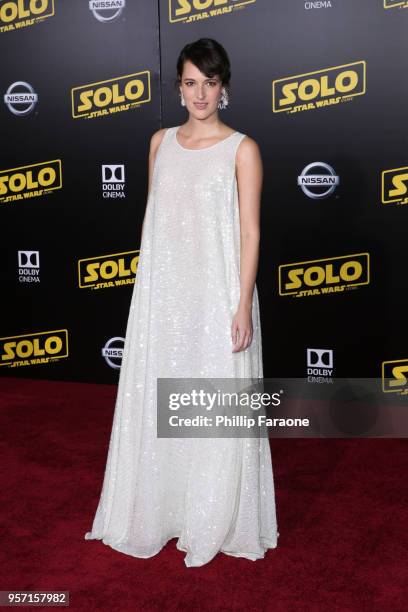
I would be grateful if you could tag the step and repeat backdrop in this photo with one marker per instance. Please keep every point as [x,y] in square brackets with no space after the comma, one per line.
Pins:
[321,86]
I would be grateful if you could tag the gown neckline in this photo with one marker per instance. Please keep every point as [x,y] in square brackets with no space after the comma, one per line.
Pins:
[203,148]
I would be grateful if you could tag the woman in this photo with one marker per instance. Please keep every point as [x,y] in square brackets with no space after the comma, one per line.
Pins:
[194,314]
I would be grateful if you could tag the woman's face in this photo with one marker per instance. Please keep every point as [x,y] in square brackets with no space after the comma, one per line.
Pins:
[200,92]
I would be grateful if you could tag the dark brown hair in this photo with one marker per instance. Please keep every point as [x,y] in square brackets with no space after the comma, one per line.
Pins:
[209,57]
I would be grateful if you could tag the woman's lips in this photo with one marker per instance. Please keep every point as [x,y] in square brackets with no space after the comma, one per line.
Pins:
[200,105]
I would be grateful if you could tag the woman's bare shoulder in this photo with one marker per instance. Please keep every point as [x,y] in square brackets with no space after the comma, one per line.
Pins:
[156,139]
[248,149]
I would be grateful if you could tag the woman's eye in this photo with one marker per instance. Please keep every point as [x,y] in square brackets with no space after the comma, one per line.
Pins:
[212,83]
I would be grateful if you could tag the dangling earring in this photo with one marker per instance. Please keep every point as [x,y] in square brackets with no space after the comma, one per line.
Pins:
[223,103]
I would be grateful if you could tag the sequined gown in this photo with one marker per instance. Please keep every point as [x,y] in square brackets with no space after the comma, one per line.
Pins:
[212,494]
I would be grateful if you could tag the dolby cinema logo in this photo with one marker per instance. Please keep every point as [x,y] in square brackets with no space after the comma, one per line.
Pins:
[20,98]
[107,10]
[318,180]
[323,4]
[319,365]
[112,352]
[28,266]
[113,180]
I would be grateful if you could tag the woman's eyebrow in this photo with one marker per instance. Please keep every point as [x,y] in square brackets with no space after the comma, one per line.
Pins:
[209,79]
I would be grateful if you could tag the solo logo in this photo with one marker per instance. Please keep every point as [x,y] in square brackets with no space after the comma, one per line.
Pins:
[195,10]
[110,96]
[394,3]
[108,270]
[30,181]
[394,186]
[320,276]
[16,14]
[319,88]
[34,349]
[394,376]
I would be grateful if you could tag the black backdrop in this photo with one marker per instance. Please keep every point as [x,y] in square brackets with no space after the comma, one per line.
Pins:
[312,82]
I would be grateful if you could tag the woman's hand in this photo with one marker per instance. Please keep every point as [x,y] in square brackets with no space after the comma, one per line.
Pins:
[242,329]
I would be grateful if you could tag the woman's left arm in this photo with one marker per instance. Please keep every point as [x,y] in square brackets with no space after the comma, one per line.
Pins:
[249,171]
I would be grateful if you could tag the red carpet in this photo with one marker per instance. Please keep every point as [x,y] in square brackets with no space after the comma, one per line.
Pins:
[341,506]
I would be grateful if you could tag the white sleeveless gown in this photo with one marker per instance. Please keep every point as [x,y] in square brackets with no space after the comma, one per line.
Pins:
[213,494]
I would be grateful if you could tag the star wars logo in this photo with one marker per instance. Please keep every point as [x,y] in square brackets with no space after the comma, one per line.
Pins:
[116,95]
[17,14]
[395,4]
[30,181]
[394,186]
[319,88]
[108,271]
[33,349]
[394,376]
[321,276]
[191,11]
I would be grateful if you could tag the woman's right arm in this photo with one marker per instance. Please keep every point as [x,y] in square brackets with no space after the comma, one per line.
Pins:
[154,145]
